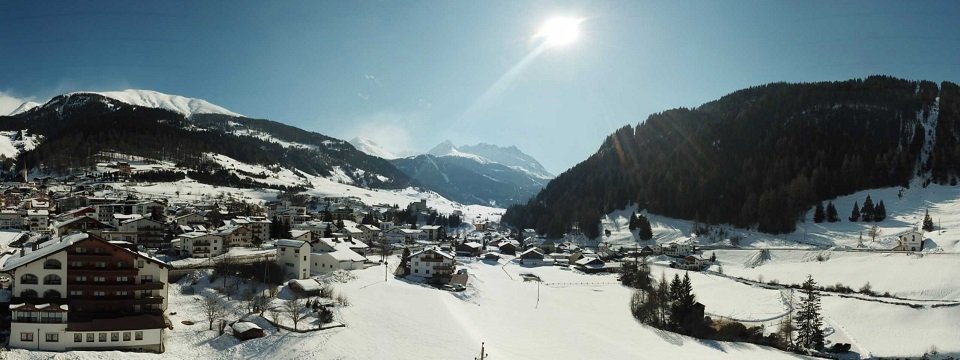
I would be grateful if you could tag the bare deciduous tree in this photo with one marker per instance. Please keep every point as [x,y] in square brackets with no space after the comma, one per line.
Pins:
[875,232]
[294,310]
[213,309]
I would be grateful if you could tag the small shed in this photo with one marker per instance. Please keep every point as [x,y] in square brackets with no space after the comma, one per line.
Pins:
[245,330]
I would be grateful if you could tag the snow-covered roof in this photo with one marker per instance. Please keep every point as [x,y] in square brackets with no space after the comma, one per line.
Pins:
[432,250]
[244,326]
[473,244]
[298,233]
[308,285]
[430,227]
[45,249]
[345,255]
[290,243]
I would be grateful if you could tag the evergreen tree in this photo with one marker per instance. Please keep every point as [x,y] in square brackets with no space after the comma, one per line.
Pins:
[646,232]
[809,323]
[633,221]
[832,215]
[927,222]
[867,210]
[328,231]
[880,212]
[818,214]
[855,214]
[663,301]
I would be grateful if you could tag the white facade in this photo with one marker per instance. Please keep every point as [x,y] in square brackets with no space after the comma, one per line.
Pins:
[201,245]
[120,293]
[294,257]
[911,240]
[430,262]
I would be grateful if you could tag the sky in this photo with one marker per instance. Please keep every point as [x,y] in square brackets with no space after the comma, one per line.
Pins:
[411,74]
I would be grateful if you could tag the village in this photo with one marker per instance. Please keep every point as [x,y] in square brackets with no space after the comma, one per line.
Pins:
[87,266]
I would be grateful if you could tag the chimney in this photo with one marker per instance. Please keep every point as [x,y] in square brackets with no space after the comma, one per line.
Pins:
[22,250]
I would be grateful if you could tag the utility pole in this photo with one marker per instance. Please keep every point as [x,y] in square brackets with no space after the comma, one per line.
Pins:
[483,354]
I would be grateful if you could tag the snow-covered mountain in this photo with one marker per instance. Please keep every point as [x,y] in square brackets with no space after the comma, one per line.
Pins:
[372,148]
[72,130]
[478,174]
[26,106]
[149,98]
[485,153]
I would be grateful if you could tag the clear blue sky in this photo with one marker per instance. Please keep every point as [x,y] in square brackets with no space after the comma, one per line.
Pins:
[405,73]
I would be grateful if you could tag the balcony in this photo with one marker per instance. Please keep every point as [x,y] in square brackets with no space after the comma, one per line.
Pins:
[201,243]
[94,271]
[115,301]
[84,286]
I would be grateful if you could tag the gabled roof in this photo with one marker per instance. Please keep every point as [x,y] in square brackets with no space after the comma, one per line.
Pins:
[54,246]
[290,243]
[432,250]
[81,218]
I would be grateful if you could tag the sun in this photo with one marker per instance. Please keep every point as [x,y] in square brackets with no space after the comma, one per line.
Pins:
[560,31]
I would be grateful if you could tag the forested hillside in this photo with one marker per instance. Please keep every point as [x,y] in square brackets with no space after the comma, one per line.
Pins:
[76,127]
[760,156]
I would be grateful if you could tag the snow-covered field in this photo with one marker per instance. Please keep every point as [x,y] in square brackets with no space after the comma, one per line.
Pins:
[903,213]
[577,316]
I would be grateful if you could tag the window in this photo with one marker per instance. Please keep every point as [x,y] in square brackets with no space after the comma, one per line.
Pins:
[99,293]
[51,279]
[80,250]
[77,337]
[427,272]
[90,337]
[51,294]
[122,279]
[122,293]
[140,263]
[76,293]
[28,279]
[138,335]
[416,271]
[52,337]
[115,336]
[126,336]
[81,278]
[29,294]
[76,264]
[26,336]
[119,264]
[146,278]
[96,250]
[101,264]
[51,264]
[103,337]
[99,279]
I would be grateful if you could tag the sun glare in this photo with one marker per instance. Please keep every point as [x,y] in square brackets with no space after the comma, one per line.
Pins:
[560,31]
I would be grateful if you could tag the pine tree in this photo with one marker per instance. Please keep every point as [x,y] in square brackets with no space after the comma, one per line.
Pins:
[927,222]
[646,232]
[663,301]
[633,221]
[832,215]
[818,214]
[880,212]
[867,210]
[855,214]
[809,323]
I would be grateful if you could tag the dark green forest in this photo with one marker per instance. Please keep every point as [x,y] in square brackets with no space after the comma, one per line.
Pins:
[757,157]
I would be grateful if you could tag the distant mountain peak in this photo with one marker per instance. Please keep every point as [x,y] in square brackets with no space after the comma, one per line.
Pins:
[26,106]
[443,149]
[155,99]
[372,148]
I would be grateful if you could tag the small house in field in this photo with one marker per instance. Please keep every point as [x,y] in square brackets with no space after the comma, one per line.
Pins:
[532,256]
[245,330]
[507,247]
[910,240]
[469,249]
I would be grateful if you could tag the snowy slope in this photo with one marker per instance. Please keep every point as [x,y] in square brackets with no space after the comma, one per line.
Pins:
[402,319]
[371,148]
[149,98]
[485,153]
[11,144]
